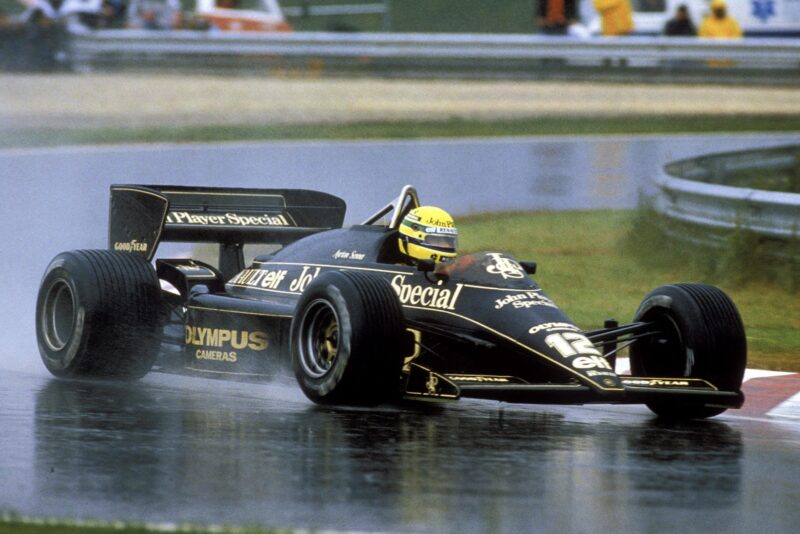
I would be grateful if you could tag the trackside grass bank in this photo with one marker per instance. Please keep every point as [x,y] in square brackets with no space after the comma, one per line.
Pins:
[600,264]
[404,129]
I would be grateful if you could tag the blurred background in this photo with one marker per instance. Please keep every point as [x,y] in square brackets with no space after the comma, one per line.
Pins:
[620,144]
[474,38]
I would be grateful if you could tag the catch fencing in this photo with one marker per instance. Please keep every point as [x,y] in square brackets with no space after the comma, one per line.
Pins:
[651,59]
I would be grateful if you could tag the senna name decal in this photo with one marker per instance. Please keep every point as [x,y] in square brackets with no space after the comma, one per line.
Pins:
[349,255]
[221,344]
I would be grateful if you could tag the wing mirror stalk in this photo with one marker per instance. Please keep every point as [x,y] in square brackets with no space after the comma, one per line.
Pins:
[428,267]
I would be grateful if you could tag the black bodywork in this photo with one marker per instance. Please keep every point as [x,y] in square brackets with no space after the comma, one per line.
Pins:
[478,327]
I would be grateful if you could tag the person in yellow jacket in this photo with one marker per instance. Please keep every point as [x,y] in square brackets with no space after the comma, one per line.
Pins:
[616,16]
[718,25]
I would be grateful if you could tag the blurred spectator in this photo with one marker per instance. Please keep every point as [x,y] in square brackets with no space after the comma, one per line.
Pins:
[150,20]
[555,16]
[681,24]
[616,16]
[718,25]
[112,14]
[154,14]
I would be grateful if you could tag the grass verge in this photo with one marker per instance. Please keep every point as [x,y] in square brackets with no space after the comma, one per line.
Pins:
[407,129]
[600,264]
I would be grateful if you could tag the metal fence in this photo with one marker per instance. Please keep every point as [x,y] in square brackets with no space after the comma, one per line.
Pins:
[692,194]
[447,55]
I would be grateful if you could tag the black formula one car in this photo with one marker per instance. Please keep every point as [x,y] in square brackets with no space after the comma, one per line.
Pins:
[356,323]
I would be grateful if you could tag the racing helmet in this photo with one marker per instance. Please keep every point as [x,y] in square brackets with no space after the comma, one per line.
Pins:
[428,233]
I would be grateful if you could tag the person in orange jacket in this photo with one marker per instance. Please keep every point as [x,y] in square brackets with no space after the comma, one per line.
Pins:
[718,25]
[616,16]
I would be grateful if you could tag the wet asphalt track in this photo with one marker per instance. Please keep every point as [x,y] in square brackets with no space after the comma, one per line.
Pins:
[184,449]
[174,449]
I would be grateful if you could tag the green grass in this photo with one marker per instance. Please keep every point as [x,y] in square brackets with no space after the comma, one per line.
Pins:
[373,22]
[15,527]
[658,124]
[515,16]
[781,179]
[595,267]
[470,16]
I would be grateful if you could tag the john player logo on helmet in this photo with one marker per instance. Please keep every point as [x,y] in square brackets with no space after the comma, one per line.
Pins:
[440,223]
[505,267]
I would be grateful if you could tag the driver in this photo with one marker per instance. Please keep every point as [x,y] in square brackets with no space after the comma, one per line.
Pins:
[428,233]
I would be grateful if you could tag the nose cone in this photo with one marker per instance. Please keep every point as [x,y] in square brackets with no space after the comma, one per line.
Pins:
[565,345]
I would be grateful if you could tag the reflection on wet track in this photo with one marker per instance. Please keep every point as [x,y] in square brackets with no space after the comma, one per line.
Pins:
[174,448]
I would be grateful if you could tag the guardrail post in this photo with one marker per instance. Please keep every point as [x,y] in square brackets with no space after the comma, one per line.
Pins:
[387,15]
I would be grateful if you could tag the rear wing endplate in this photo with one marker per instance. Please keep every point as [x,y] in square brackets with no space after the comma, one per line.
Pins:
[142,216]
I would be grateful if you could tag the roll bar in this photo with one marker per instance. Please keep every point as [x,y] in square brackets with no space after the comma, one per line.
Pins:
[400,206]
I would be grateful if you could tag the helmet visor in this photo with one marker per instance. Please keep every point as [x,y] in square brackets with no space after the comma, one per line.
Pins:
[440,241]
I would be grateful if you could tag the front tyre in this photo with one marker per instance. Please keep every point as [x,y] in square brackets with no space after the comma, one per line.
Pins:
[97,315]
[347,339]
[700,335]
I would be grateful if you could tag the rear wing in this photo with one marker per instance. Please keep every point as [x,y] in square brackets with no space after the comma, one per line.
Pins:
[142,216]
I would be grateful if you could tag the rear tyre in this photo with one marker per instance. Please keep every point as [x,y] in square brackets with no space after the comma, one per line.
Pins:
[97,315]
[701,336]
[347,339]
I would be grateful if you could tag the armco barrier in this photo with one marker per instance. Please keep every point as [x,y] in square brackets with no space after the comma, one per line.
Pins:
[437,55]
[687,194]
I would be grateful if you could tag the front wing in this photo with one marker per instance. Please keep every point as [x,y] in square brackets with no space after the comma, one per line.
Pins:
[425,384]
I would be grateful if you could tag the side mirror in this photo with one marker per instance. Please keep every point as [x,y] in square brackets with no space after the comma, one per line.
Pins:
[528,266]
[429,266]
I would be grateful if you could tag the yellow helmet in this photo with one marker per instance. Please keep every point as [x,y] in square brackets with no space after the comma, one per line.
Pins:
[428,233]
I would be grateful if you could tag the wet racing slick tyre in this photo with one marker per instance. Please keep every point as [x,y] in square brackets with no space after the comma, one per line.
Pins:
[347,339]
[700,336]
[97,315]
